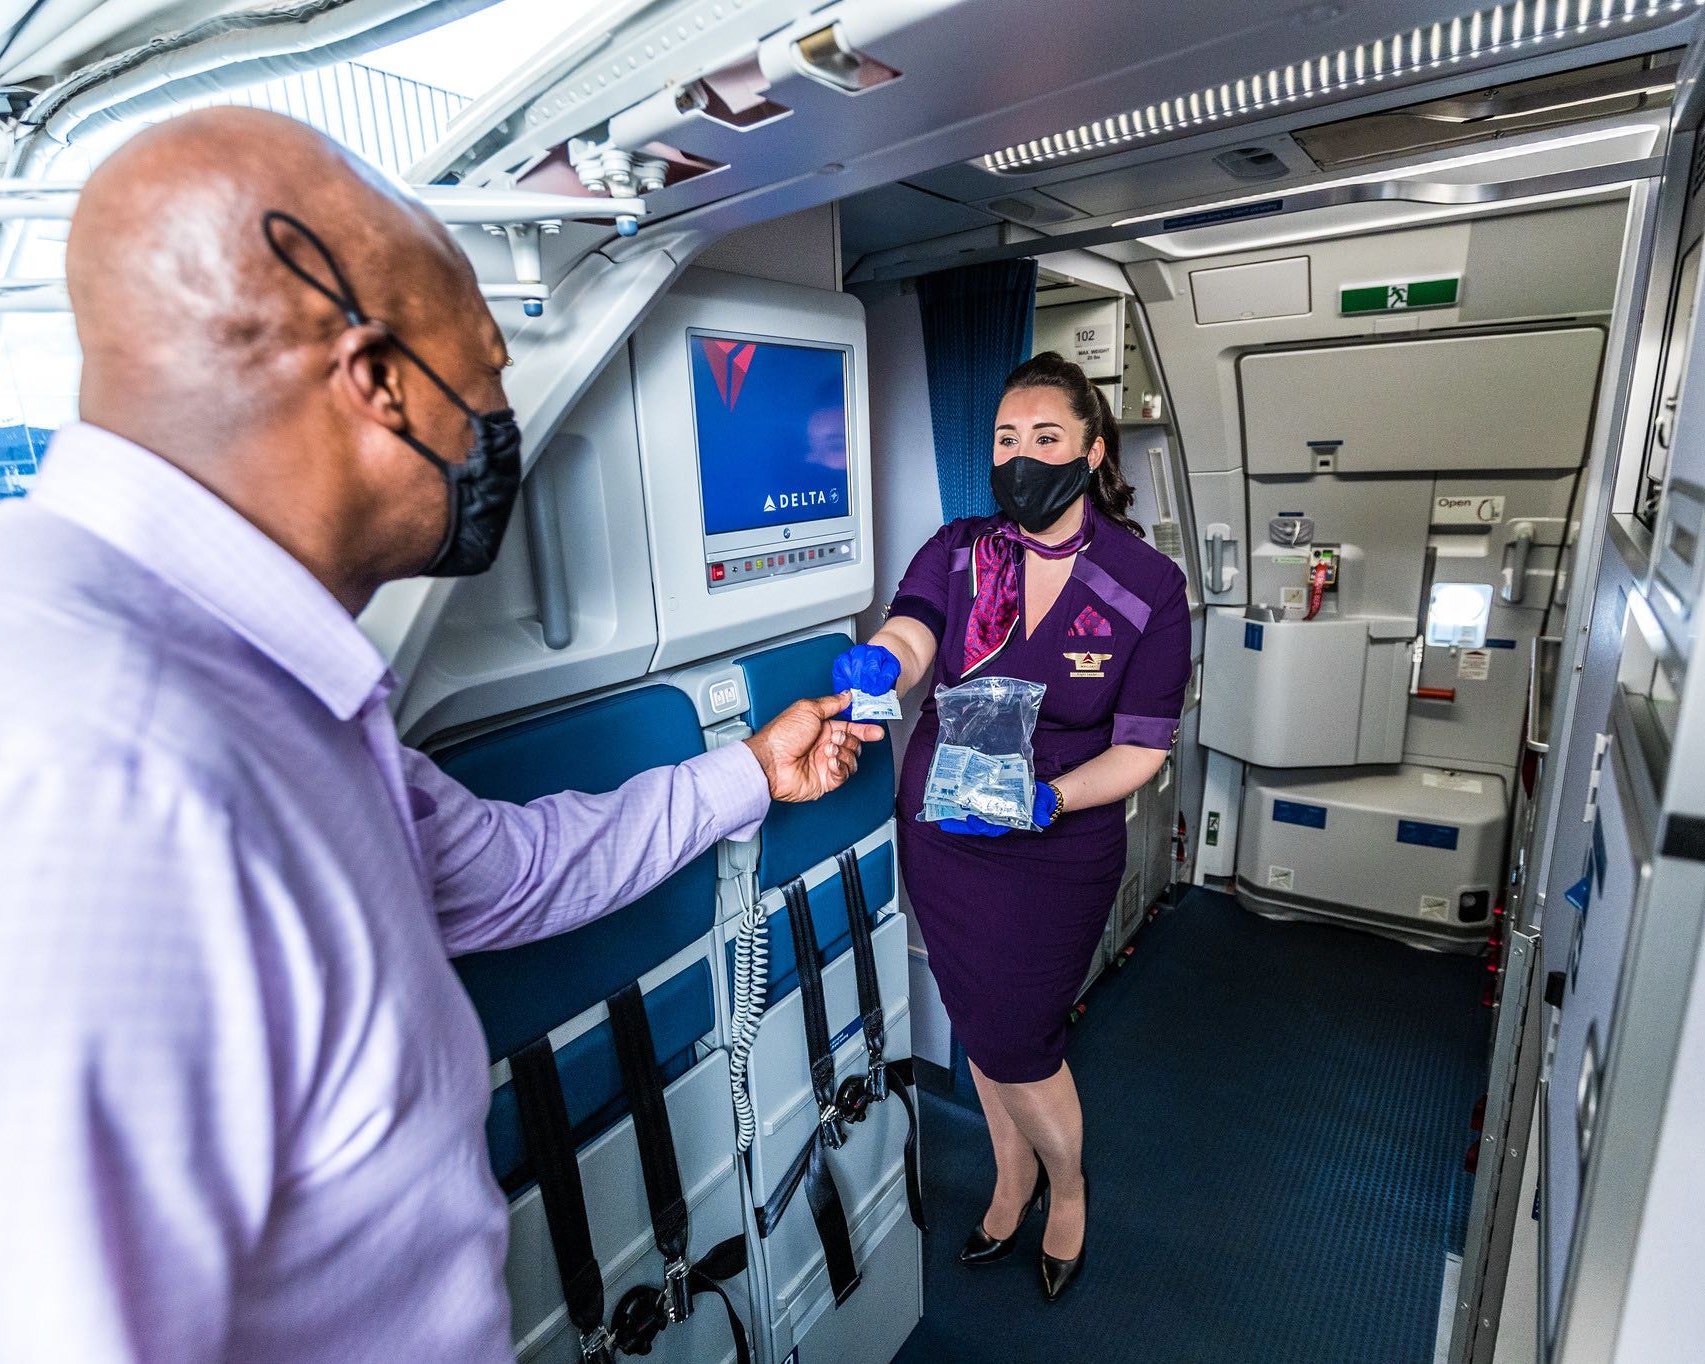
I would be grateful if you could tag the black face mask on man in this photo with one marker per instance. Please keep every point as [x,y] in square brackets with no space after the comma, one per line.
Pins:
[483,487]
[1035,493]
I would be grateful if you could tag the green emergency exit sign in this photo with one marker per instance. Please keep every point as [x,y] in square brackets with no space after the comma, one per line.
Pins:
[1399,296]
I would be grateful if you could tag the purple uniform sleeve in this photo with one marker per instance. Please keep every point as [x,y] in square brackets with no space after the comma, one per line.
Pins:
[1151,697]
[922,594]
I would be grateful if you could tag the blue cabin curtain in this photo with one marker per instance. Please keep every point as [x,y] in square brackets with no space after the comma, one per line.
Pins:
[977,323]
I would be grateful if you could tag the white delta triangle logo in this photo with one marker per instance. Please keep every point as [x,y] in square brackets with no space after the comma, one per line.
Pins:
[769,504]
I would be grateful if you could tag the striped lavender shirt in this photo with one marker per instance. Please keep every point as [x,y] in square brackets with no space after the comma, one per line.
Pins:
[241,1091]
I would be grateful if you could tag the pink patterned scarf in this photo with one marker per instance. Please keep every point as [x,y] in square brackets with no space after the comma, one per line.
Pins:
[995,562]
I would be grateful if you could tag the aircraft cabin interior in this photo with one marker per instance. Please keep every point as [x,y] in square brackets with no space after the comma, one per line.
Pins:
[1392,1050]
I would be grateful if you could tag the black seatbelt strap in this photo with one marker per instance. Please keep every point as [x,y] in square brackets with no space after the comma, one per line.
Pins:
[718,1264]
[827,1210]
[817,1038]
[864,966]
[550,1149]
[644,1086]
[637,1319]
[875,1087]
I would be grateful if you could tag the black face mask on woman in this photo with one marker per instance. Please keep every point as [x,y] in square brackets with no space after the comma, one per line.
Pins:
[1035,493]
[483,487]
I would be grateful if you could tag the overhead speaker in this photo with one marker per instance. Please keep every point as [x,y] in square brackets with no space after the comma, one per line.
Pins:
[1251,163]
[1036,208]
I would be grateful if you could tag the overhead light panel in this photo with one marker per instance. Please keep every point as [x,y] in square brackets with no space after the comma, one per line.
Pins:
[1479,38]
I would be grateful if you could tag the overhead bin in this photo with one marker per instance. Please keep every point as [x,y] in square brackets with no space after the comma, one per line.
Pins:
[1513,400]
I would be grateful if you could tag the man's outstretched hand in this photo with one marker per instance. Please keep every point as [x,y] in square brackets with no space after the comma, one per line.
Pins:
[806,752]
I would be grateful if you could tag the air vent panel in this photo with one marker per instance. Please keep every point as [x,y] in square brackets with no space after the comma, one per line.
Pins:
[1251,163]
[1032,208]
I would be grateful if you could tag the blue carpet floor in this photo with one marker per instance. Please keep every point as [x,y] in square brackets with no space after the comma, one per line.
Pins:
[1275,1118]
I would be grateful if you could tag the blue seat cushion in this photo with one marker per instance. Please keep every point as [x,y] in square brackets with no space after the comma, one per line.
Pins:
[798,837]
[524,992]
[680,1013]
[828,922]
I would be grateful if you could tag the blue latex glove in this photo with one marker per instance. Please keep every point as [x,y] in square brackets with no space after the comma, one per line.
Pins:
[972,824]
[1041,815]
[868,668]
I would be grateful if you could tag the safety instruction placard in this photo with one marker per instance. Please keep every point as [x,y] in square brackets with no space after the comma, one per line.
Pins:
[1091,335]
[1474,665]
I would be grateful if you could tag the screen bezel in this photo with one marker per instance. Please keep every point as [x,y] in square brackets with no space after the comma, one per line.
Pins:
[729,544]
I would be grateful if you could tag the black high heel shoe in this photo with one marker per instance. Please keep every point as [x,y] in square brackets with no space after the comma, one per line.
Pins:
[1058,1275]
[983,1249]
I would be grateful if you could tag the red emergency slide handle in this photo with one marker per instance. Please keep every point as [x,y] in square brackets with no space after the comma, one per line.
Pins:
[1435,693]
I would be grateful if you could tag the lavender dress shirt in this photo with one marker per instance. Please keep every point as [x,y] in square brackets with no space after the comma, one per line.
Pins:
[241,1090]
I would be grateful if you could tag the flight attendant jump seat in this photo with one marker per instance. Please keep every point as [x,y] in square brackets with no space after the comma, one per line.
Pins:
[553,994]
[826,886]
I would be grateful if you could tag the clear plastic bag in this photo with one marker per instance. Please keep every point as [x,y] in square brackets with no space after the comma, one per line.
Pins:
[984,764]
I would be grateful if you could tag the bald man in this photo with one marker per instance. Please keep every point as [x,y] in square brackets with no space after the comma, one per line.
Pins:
[241,1091]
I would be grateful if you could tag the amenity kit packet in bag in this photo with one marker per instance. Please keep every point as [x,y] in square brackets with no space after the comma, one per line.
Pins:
[984,764]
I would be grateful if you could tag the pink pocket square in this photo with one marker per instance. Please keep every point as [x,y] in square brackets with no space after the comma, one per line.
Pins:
[1090,624]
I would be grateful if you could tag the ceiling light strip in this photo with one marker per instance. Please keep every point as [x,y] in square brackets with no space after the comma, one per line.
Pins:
[1486,33]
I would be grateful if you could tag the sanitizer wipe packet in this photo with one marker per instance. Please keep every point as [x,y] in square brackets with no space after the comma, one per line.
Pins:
[868,707]
[984,764]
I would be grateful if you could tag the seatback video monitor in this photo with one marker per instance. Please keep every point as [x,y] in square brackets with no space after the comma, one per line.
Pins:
[771,434]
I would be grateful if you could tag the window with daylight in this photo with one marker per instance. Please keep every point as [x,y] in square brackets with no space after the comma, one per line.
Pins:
[392,108]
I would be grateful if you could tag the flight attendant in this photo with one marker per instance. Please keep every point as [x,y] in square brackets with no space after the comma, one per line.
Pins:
[1060,589]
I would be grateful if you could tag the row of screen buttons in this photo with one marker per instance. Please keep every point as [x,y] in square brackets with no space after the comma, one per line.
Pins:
[764,566]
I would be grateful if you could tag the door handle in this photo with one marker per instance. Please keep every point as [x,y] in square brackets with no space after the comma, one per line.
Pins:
[1218,537]
[1587,1091]
[1521,545]
[1544,650]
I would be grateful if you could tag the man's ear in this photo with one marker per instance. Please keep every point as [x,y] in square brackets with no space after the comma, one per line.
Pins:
[365,375]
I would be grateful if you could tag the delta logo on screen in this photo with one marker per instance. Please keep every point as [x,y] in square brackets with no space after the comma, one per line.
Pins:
[729,361]
[800,501]
[770,423]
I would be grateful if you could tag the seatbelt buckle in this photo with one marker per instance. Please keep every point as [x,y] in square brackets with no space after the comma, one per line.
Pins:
[876,1082]
[595,1347]
[677,1295]
[854,1098]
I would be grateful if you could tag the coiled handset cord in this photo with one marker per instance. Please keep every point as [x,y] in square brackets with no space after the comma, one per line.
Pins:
[751,983]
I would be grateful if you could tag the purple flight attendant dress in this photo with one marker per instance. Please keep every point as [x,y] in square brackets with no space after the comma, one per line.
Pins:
[1012,922]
